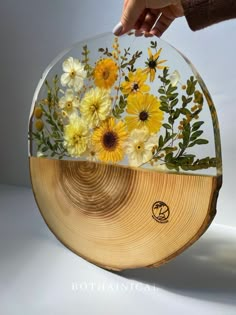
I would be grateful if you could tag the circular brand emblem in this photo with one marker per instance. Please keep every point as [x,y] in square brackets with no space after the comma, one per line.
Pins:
[160,212]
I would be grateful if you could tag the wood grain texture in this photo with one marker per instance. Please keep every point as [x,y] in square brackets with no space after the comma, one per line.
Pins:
[104,212]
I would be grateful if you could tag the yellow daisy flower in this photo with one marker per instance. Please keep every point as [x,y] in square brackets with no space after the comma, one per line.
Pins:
[135,83]
[153,63]
[144,111]
[95,106]
[105,73]
[76,136]
[108,140]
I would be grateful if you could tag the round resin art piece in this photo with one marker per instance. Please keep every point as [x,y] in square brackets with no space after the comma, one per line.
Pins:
[124,151]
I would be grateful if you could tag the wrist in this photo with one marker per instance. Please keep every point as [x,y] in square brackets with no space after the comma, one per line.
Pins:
[195,11]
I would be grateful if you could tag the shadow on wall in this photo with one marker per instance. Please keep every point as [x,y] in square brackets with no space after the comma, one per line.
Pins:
[206,271]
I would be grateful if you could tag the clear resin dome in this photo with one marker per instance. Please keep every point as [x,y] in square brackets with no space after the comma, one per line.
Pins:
[128,101]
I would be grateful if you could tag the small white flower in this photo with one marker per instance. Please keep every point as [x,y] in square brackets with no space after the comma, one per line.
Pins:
[161,168]
[175,78]
[74,74]
[139,146]
[91,154]
[40,154]
[64,114]
[69,102]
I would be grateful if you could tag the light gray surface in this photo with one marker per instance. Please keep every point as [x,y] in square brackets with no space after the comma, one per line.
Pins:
[39,276]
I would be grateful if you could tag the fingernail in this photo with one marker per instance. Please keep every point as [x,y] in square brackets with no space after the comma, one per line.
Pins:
[138,33]
[147,34]
[117,29]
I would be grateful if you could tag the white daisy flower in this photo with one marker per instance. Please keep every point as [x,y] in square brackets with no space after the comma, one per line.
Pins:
[74,74]
[69,102]
[139,146]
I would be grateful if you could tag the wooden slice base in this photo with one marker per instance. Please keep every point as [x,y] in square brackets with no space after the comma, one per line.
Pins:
[118,217]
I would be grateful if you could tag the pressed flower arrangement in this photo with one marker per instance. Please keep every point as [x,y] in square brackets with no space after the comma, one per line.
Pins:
[126,107]
[125,155]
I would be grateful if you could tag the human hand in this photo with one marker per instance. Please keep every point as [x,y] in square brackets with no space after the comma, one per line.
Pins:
[151,17]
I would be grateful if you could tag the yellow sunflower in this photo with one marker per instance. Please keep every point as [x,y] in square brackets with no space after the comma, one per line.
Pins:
[153,63]
[108,140]
[135,83]
[76,136]
[105,73]
[144,111]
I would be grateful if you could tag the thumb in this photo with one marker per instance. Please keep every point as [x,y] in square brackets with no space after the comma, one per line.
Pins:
[131,13]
